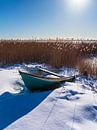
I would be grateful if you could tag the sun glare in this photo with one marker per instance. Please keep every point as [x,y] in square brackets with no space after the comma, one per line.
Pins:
[78,5]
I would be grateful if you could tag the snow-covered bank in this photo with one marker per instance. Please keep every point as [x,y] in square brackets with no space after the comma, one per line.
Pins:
[71,107]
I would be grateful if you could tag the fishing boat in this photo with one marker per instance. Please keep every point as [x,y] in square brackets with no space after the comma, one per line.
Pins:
[36,79]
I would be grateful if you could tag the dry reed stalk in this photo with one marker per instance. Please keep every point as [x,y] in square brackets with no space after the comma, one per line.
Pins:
[88,65]
[55,53]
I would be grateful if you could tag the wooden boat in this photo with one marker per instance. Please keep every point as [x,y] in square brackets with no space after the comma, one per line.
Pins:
[35,80]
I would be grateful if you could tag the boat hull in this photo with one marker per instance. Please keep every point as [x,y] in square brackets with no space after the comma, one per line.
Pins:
[37,83]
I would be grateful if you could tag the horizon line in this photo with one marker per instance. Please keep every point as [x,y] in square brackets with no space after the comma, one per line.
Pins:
[48,39]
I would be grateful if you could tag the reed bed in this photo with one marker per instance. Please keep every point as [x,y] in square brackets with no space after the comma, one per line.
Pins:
[66,53]
[88,66]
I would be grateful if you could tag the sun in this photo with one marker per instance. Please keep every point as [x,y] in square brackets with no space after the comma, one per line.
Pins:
[78,5]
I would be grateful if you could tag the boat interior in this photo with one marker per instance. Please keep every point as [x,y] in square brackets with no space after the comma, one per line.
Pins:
[35,71]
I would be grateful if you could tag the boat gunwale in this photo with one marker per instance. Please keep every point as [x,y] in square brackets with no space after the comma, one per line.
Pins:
[59,79]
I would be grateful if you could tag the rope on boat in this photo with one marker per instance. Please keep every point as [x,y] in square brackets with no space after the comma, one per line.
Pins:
[52,109]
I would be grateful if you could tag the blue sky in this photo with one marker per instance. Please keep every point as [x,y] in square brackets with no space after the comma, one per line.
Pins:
[47,19]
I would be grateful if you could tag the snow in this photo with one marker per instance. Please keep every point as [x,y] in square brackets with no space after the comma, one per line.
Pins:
[73,106]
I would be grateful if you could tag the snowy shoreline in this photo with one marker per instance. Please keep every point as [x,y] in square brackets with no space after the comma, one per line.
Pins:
[72,106]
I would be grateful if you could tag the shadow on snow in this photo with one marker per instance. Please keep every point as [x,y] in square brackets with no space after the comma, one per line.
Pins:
[71,95]
[13,107]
